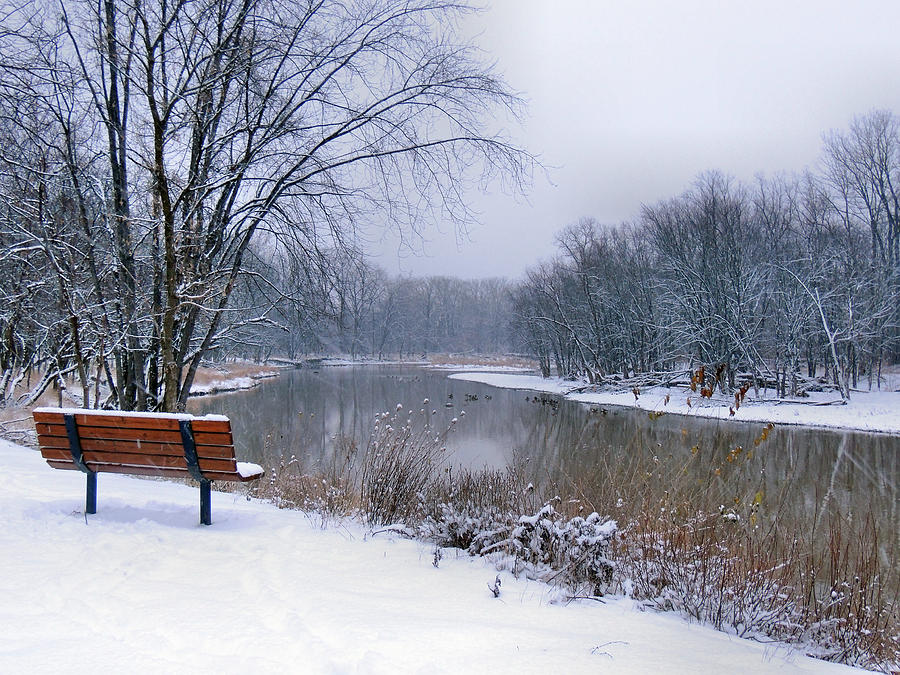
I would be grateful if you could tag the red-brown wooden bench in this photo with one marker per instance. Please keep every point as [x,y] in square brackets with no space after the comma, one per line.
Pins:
[147,444]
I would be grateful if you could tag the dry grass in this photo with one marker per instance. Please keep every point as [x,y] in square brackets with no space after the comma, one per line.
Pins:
[51,397]
[383,483]
[831,595]
[402,457]
[324,492]
[16,423]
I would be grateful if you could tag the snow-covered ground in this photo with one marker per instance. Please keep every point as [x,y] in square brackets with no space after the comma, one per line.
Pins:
[867,411]
[142,587]
[474,367]
[227,383]
[336,361]
[455,367]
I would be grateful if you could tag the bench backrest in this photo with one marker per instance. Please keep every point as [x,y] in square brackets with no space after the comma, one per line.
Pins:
[137,443]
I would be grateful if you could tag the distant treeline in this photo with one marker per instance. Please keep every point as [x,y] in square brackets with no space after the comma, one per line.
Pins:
[348,306]
[778,280]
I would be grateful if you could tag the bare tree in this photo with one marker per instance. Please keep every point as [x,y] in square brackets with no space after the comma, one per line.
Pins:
[862,172]
[745,281]
[711,250]
[227,122]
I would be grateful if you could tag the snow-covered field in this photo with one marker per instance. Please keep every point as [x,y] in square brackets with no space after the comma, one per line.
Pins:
[867,411]
[142,587]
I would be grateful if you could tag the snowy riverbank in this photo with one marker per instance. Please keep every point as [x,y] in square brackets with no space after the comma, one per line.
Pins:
[875,411]
[866,411]
[233,376]
[140,586]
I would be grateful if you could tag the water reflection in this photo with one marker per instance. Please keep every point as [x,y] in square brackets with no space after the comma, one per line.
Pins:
[303,412]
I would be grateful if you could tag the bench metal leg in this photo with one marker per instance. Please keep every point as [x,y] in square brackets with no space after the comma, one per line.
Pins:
[205,503]
[90,502]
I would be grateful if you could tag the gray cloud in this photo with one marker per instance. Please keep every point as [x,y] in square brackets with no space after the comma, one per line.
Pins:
[629,100]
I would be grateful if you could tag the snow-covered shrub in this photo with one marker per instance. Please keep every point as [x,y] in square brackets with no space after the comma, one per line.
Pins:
[545,545]
[469,505]
[399,466]
[464,528]
[577,550]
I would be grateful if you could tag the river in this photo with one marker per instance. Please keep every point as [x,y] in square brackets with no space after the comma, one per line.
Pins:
[304,412]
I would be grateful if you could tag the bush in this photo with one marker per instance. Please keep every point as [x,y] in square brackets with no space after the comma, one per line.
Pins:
[399,466]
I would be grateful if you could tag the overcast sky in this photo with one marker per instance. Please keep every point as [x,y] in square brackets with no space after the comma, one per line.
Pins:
[628,100]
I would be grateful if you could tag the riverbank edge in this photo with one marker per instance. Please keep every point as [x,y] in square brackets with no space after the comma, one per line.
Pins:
[230,385]
[873,412]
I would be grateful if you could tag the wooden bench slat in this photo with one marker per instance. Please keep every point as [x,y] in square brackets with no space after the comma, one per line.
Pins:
[139,447]
[113,433]
[222,426]
[128,434]
[152,471]
[211,426]
[136,446]
[203,438]
[160,423]
[112,443]
[170,461]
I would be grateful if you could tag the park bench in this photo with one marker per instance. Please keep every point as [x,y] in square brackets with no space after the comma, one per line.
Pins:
[147,444]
